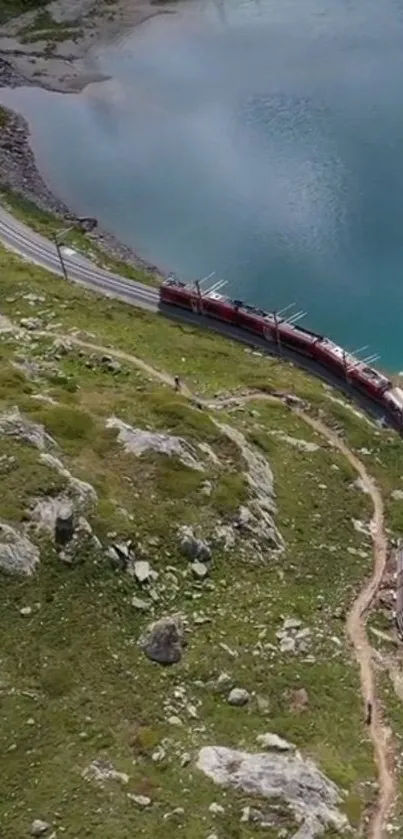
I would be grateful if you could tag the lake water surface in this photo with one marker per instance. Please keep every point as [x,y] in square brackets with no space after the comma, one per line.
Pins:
[262,139]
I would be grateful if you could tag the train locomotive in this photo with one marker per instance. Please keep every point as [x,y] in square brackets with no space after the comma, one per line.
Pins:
[277,330]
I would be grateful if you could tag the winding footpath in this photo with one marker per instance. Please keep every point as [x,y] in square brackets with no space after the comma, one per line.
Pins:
[41,251]
[356,630]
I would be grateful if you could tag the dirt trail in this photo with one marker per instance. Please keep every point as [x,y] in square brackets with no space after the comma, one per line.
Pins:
[356,619]
[356,629]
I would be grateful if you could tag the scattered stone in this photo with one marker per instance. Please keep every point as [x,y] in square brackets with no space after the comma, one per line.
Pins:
[17,554]
[142,570]
[185,759]
[192,547]
[163,640]
[273,741]
[120,555]
[31,323]
[288,645]
[216,809]
[138,441]
[139,603]
[199,569]
[300,700]
[26,611]
[227,649]
[141,800]
[102,770]
[238,697]
[311,796]
[13,424]
[207,488]
[39,827]
[291,623]
[158,755]
[223,682]
[263,705]
[174,720]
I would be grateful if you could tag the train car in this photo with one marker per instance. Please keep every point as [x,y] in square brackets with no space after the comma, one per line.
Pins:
[392,400]
[273,329]
[369,381]
[176,293]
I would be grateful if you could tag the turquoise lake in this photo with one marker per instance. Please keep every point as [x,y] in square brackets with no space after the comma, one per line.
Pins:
[259,139]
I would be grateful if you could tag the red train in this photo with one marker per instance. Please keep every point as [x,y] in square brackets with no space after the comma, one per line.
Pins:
[274,329]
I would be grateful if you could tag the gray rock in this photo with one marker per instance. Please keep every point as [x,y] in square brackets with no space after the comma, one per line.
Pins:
[138,441]
[225,534]
[223,682]
[273,741]
[291,623]
[397,494]
[26,611]
[163,640]
[199,569]
[257,519]
[238,697]
[139,603]
[13,424]
[311,796]
[17,554]
[142,570]
[64,524]
[102,770]
[39,827]
[31,323]
[288,645]
[192,547]
[216,809]
[141,800]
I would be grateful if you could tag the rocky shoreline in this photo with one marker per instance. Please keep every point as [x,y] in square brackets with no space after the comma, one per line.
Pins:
[19,173]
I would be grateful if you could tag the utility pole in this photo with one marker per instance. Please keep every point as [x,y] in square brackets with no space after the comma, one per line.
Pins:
[59,238]
[87,224]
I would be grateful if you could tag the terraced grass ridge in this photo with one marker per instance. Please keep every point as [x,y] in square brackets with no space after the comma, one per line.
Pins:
[219,504]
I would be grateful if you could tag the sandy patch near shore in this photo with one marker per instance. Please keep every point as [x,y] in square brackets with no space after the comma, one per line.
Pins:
[51,47]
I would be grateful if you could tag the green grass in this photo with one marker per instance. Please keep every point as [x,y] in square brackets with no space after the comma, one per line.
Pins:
[4,117]
[13,8]
[48,224]
[45,28]
[74,667]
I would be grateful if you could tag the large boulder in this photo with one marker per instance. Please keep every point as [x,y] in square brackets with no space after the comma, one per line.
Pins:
[192,547]
[311,796]
[163,640]
[64,524]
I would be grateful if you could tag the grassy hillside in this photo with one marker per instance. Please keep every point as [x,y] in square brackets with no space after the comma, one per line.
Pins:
[13,8]
[75,685]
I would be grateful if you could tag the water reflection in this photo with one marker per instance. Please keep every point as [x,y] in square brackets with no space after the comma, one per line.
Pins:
[261,139]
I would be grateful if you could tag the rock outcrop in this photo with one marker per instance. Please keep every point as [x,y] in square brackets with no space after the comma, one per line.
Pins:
[311,796]
[257,519]
[13,424]
[138,441]
[17,554]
